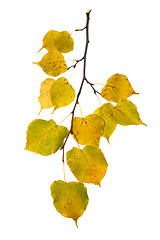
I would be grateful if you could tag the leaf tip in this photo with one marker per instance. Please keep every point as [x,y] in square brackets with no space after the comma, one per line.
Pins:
[144,124]
[76,223]
[40,111]
[40,49]
[36,63]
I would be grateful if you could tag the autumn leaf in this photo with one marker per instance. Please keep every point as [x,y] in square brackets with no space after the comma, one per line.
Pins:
[62,93]
[45,96]
[53,63]
[70,199]
[117,88]
[58,93]
[107,113]
[45,137]
[126,114]
[88,130]
[61,41]
[49,40]
[64,42]
[88,165]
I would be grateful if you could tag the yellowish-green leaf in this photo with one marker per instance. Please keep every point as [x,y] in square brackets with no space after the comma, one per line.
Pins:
[45,137]
[64,42]
[70,199]
[117,88]
[53,63]
[88,165]
[62,93]
[107,113]
[45,96]
[61,41]
[88,130]
[49,40]
[126,114]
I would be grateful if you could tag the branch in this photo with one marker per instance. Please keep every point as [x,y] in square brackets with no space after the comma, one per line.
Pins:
[92,84]
[84,75]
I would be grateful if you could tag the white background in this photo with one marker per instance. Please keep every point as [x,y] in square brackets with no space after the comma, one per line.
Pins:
[124,38]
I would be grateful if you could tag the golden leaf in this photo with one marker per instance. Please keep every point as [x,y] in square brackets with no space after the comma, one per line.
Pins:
[117,88]
[45,96]
[88,165]
[88,130]
[53,63]
[62,93]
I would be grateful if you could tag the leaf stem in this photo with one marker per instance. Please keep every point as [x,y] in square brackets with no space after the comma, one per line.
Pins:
[63,166]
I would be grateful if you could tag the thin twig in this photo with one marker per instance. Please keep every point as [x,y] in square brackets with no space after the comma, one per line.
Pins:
[74,65]
[91,84]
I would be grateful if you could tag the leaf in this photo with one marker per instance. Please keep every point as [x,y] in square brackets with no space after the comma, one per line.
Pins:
[45,96]
[62,93]
[45,137]
[64,42]
[126,114]
[53,63]
[88,165]
[61,41]
[57,93]
[107,113]
[117,88]
[70,199]
[88,130]
[49,40]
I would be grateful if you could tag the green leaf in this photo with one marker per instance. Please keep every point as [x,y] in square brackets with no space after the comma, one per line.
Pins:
[117,88]
[88,165]
[61,41]
[45,137]
[45,96]
[53,63]
[62,93]
[88,130]
[126,114]
[70,199]
[107,113]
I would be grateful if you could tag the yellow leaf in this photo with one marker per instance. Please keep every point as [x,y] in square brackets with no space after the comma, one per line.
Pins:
[49,40]
[45,137]
[107,113]
[45,96]
[53,63]
[61,41]
[70,199]
[117,88]
[126,114]
[88,165]
[64,42]
[62,93]
[88,130]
